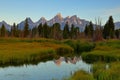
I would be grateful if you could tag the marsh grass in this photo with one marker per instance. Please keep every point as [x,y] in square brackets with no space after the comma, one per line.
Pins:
[81,75]
[107,51]
[100,72]
[80,46]
[19,51]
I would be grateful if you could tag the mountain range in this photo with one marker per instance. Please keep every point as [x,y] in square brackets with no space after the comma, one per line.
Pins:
[56,19]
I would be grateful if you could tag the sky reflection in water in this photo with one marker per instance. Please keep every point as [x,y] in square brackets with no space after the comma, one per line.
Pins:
[56,69]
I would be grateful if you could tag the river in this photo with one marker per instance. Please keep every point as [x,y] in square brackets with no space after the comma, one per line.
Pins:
[49,70]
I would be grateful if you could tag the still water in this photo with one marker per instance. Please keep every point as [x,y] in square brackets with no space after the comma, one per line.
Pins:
[54,69]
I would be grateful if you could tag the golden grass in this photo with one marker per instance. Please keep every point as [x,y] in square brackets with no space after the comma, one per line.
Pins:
[104,51]
[25,50]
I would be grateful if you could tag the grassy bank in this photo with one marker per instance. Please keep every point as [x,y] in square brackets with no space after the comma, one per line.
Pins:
[107,51]
[100,72]
[15,51]
[20,51]
[81,75]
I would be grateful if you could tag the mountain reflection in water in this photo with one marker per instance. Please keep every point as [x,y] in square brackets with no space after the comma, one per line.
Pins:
[49,70]
[68,60]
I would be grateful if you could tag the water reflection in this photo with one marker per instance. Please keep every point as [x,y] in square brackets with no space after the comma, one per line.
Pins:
[68,60]
[55,69]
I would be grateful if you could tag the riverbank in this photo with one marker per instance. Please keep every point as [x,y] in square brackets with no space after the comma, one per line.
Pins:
[22,51]
[16,51]
[105,51]
[100,71]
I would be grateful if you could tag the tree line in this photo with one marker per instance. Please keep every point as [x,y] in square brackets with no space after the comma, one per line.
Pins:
[91,31]
[98,32]
[42,31]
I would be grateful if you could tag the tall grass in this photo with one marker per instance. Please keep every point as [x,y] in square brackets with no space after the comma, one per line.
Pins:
[108,51]
[20,51]
[80,46]
[81,75]
[100,72]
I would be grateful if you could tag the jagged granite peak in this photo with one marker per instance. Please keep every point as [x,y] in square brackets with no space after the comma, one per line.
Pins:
[117,25]
[74,16]
[30,23]
[42,20]
[7,26]
[81,23]
[59,15]
[57,19]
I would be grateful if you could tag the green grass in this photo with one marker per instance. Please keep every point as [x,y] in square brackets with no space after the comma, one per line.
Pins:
[107,51]
[81,75]
[19,51]
[80,46]
[100,72]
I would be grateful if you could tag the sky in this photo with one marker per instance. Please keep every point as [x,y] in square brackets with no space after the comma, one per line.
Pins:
[17,10]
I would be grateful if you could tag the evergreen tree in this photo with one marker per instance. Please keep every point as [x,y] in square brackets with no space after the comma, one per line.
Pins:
[40,30]
[72,32]
[56,31]
[86,30]
[91,29]
[26,28]
[14,30]
[34,32]
[66,31]
[117,33]
[111,25]
[3,31]
[108,31]
[46,31]
[77,32]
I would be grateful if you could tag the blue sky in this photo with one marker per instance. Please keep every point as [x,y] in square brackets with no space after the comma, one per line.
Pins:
[17,10]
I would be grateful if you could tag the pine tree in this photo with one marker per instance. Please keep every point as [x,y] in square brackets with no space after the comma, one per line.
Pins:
[40,30]
[91,29]
[56,31]
[66,31]
[14,30]
[77,32]
[108,31]
[34,32]
[26,28]
[3,31]
[46,31]
[117,33]
[72,32]
[111,25]
[86,30]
